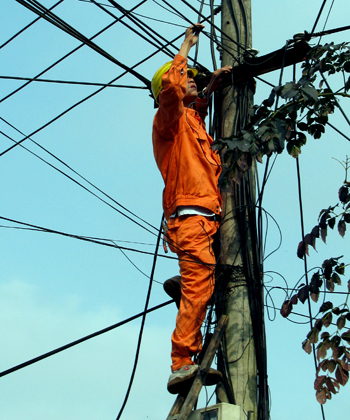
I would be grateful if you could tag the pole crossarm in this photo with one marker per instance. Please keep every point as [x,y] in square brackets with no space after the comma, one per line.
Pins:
[256,66]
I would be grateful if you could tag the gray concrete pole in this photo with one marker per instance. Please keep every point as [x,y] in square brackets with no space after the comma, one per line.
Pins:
[239,349]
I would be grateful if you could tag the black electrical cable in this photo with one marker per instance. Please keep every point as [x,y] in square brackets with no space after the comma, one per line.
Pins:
[197,43]
[338,104]
[71,169]
[142,322]
[204,19]
[42,11]
[28,26]
[338,131]
[127,14]
[82,186]
[82,100]
[216,27]
[213,35]
[197,260]
[330,31]
[305,264]
[71,82]
[102,4]
[159,20]
[114,241]
[318,16]
[147,29]
[81,340]
[107,243]
[70,53]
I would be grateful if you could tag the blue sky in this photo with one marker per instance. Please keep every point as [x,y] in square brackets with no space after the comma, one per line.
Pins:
[55,289]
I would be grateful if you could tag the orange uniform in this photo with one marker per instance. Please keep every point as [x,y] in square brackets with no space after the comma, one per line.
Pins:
[190,170]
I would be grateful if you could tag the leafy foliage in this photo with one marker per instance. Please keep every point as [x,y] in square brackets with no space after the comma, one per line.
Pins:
[305,111]
[333,349]
[328,219]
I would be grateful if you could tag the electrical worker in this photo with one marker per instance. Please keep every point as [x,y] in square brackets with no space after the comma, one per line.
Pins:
[191,200]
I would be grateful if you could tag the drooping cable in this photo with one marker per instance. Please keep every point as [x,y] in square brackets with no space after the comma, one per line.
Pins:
[80,340]
[213,35]
[197,43]
[305,265]
[142,322]
[108,242]
[81,185]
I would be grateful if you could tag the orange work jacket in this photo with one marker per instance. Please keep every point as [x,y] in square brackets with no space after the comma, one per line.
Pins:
[181,145]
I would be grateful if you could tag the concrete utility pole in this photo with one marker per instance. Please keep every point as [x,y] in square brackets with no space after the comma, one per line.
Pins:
[238,279]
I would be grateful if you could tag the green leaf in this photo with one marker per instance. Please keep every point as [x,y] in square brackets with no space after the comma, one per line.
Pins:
[341,375]
[292,149]
[321,352]
[316,232]
[346,336]
[341,228]
[340,269]
[331,222]
[303,293]
[326,306]
[336,311]
[313,335]
[310,92]
[302,126]
[327,319]
[289,90]
[306,345]
[286,308]
[336,279]
[341,322]
[330,285]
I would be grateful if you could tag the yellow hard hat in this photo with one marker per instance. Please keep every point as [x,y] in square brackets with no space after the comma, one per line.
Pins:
[156,84]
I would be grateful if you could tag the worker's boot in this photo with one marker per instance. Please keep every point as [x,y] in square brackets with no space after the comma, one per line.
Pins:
[181,380]
[172,287]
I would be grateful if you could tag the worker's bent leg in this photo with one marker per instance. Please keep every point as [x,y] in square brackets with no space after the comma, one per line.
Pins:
[192,238]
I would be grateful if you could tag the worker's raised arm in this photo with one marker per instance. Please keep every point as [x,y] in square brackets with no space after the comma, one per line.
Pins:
[191,38]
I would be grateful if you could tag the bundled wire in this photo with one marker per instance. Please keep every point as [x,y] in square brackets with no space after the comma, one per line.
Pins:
[46,14]
[70,53]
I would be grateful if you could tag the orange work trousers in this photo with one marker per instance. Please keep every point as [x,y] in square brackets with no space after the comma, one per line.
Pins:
[191,238]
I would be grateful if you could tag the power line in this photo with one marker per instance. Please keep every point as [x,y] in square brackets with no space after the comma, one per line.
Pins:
[28,26]
[305,263]
[143,321]
[80,340]
[331,31]
[70,82]
[107,242]
[84,99]
[136,22]
[318,16]
[70,53]
[78,183]
[42,11]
